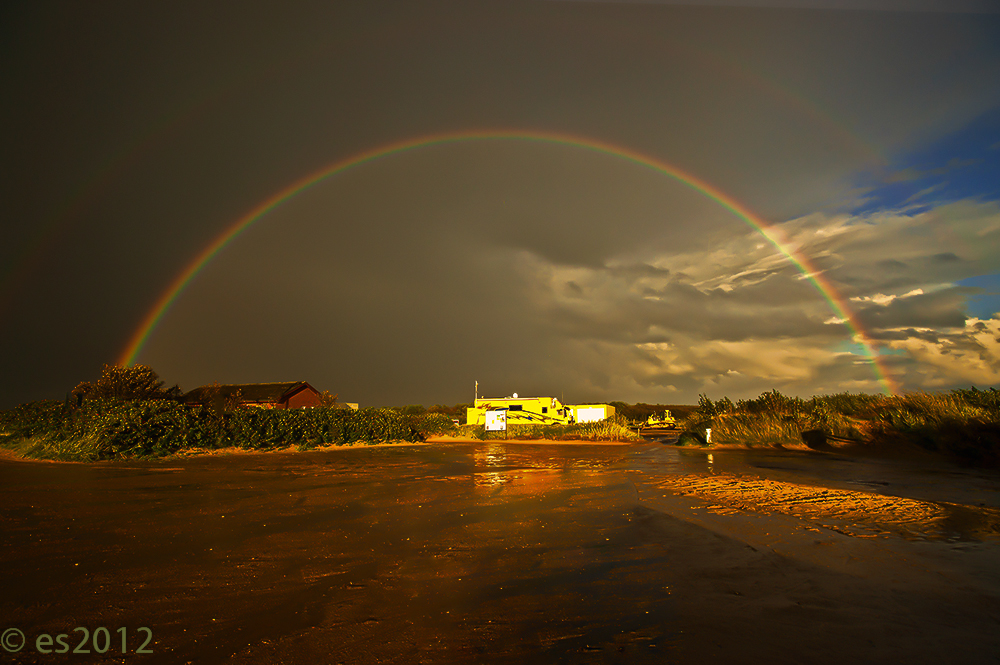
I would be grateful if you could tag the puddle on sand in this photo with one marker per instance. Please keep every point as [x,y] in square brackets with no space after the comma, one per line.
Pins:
[853,513]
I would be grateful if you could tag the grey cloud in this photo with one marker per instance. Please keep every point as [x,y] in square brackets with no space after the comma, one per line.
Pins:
[866,283]
[898,334]
[892,252]
[942,309]
[617,311]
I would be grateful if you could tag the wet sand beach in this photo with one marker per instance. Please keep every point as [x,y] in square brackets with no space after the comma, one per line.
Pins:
[463,552]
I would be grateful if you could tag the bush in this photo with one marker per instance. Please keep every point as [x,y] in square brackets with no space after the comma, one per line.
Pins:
[112,428]
[691,438]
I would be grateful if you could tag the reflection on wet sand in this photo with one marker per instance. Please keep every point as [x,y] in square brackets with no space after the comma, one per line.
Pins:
[491,456]
[519,471]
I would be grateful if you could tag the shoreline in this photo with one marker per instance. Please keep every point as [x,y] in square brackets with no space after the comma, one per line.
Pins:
[893,453]
[7,454]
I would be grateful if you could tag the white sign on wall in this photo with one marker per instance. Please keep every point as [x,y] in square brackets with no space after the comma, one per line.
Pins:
[496,421]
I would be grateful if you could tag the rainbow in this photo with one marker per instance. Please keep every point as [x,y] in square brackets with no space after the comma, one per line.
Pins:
[800,261]
[52,227]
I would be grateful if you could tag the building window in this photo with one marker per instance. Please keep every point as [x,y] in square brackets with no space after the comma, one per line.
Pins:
[516,407]
[545,409]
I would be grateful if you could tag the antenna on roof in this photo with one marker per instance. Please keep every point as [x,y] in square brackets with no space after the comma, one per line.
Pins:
[477,392]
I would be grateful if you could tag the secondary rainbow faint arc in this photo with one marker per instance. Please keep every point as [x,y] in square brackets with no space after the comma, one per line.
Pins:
[801,262]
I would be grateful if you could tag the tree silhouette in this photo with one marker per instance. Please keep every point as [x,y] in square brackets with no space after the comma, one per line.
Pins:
[138,382]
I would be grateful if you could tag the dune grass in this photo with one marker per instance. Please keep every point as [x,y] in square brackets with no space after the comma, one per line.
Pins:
[963,423]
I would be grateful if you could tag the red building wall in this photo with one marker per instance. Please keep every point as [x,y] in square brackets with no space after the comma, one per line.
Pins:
[303,398]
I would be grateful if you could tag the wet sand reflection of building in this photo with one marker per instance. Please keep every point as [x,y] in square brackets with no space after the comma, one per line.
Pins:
[515,471]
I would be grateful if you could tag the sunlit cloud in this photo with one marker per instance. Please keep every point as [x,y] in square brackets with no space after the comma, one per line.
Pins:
[970,355]
[738,317]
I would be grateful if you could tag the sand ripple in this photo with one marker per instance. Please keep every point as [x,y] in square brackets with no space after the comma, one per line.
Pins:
[851,512]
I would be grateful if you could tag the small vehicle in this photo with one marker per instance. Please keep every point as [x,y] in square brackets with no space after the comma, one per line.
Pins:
[658,424]
[664,419]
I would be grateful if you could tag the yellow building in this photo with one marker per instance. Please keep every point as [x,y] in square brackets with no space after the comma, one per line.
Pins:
[537,411]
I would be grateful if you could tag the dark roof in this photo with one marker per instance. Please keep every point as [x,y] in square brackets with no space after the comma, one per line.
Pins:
[249,392]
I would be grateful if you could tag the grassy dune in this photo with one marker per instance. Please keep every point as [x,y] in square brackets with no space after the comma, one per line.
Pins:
[962,423]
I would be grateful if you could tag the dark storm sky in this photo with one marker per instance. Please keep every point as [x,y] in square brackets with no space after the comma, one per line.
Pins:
[136,133]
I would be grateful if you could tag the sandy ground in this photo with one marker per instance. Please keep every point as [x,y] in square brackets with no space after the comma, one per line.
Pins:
[10,455]
[854,513]
[500,552]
